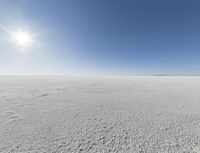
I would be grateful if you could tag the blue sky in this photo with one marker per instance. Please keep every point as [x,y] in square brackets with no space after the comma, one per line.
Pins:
[114,37]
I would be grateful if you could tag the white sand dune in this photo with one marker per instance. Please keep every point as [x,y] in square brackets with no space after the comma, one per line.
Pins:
[99,114]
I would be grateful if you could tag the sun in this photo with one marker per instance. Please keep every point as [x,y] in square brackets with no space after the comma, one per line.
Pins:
[22,38]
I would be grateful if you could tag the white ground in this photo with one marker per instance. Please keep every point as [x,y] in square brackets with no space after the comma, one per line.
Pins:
[99,115]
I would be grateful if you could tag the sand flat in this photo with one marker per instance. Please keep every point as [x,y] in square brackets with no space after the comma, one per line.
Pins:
[59,114]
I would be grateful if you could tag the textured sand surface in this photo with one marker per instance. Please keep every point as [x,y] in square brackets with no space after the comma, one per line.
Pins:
[99,115]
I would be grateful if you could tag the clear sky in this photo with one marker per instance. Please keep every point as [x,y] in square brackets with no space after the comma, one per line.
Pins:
[128,37]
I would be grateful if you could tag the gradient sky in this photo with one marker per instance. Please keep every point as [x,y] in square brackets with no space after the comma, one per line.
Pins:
[130,37]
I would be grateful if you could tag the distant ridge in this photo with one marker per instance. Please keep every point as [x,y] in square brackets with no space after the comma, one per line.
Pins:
[173,75]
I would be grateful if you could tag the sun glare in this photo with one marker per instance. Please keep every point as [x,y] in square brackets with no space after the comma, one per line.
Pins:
[22,38]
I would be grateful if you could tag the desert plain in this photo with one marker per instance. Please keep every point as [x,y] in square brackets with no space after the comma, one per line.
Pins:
[115,114]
